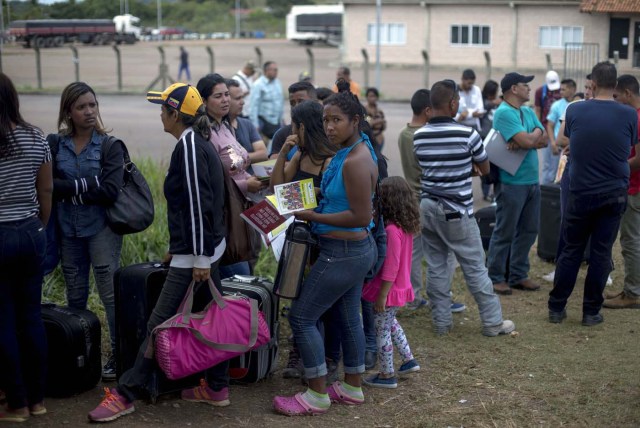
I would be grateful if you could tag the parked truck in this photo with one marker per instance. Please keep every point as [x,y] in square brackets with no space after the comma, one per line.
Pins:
[46,33]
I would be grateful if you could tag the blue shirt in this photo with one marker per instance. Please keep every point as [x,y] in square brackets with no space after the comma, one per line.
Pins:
[555,114]
[80,220]
[334,194]
[601,134]
[267,101]
[510,121]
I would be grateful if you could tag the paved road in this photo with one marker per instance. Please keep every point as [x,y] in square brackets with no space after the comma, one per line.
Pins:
[137,122]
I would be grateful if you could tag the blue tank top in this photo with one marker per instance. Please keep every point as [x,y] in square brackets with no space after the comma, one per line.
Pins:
[334,195]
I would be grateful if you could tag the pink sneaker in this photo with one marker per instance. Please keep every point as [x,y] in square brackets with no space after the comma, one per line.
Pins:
[113,406]
[204,394]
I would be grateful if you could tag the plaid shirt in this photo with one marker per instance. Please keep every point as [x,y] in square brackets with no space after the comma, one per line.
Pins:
[267,101]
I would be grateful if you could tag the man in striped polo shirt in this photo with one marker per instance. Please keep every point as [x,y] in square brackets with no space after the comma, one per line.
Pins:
[448,154]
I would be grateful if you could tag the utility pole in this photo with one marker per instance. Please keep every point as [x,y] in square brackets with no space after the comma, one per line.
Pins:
[237,19]
[159,14]
[378,19]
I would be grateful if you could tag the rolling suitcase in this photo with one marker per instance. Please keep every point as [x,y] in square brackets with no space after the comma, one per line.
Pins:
[261,362]
[137,288]
[74,350]
[550,223]
[486,218]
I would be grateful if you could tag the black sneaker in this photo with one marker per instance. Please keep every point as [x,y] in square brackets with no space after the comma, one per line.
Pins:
[109,369]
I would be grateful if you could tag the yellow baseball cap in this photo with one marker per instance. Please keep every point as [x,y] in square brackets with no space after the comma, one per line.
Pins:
[182,97]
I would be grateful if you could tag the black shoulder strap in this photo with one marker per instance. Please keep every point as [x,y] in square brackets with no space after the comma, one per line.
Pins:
[106,146]
[244,81]
[54,144]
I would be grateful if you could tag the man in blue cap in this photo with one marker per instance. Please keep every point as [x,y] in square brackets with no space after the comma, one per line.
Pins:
[518,200]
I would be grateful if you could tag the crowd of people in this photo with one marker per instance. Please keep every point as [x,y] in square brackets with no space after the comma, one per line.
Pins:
[222,126]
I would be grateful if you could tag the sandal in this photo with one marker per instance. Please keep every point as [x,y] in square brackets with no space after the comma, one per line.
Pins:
[296,406]
[337,394]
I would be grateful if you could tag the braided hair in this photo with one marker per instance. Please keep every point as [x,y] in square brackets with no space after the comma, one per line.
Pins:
[347,102]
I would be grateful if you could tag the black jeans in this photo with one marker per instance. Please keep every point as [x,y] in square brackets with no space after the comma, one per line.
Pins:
[23,341]
[587,216]
[133,381]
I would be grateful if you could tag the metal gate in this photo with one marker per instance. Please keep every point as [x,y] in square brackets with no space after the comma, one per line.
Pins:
[579,59]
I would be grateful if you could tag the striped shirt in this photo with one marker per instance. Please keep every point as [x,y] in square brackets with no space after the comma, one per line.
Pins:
[445,151]
[18,172]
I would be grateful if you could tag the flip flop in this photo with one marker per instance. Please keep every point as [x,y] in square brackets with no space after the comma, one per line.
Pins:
[296,406]
[338,395]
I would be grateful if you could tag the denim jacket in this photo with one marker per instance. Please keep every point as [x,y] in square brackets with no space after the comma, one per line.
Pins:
[84,186]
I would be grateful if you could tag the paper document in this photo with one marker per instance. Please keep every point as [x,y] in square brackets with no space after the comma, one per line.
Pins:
[500,155]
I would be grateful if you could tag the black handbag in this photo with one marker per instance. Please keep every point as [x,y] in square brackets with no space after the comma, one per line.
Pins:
[133,211]
[379,236]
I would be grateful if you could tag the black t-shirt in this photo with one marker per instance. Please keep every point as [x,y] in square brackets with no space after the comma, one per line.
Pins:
[279,138]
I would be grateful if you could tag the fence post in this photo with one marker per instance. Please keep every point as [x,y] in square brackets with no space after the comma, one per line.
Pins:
[549,64]
[425,68]
[365,56]
[211,59]
[259,54]
[38,66]
[76,62]
[118,66]
[312,65]
[487,62]
[163,72]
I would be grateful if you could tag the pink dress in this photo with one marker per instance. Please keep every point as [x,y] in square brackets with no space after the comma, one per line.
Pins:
[234,157]
[396,269]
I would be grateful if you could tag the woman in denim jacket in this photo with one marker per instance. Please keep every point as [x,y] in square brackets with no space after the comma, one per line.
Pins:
[86,181]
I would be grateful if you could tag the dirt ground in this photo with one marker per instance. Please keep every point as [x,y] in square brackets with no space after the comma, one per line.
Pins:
[547,375]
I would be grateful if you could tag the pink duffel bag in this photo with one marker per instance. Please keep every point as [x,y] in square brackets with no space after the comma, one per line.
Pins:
[189,342]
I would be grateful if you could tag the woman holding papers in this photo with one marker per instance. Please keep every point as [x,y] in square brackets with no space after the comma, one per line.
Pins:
[341,221]
[315,150]
[235,158]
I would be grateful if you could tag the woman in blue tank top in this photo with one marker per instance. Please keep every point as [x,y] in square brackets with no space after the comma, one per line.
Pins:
[347,252]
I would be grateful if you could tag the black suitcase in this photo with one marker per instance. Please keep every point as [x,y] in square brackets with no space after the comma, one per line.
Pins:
[261,362]
[137,288]
[486,218]
[550,223]
[74,350]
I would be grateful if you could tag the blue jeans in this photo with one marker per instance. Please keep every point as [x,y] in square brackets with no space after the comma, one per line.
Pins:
[461,236]
[102,251]
[175,287]
[369,326]
[23,342]
[517,221]
[240,268]
[335,280]
[587,216]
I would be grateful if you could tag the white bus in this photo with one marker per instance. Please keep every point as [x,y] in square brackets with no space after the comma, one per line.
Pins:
[321,23]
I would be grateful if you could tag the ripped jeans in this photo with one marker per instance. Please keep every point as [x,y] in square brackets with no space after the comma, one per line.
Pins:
[102,251]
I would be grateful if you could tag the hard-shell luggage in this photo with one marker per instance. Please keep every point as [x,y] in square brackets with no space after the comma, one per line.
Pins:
[261,362]
[550,223]
[74,350]
[486,218]
[137,288]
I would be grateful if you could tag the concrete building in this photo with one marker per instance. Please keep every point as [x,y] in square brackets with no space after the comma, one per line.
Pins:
[517,34]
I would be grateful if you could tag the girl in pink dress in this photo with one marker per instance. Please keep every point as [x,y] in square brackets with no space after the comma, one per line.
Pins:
[391,288]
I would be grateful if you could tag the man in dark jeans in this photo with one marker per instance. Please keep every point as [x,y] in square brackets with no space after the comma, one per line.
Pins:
[599,178]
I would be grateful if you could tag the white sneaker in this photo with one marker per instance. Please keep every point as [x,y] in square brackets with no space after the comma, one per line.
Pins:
[506,327]
[550,276]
